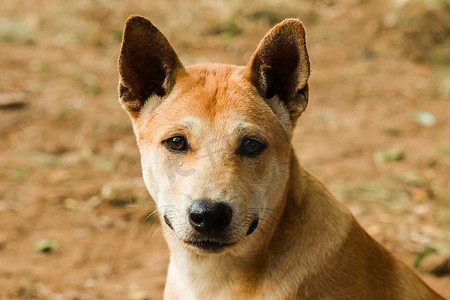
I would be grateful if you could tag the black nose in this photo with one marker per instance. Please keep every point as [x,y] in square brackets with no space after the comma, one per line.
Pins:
[209,217]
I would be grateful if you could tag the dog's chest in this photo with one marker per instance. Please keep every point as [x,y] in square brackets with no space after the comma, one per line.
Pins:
[212,280]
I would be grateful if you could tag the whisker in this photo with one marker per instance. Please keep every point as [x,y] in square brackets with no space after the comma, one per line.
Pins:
[151,214]
[267,222]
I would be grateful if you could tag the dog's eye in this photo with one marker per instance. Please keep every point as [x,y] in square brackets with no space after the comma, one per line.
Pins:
[176,144]
[251,147]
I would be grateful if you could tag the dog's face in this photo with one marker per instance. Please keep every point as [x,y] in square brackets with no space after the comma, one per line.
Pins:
[214,139]
[213,150]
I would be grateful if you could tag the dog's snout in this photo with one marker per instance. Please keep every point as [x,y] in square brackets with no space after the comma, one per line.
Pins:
[209,217]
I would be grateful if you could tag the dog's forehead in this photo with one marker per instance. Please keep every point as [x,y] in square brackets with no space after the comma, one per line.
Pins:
[216,99]
[222,93]
[219,88]
[212,92]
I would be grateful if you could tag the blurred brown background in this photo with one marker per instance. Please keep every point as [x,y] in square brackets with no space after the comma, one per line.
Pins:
[73,207]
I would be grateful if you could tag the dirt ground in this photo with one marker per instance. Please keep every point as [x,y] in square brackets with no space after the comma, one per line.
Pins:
[376,132]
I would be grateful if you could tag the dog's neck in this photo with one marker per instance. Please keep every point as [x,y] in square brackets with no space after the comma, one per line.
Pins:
[320,236]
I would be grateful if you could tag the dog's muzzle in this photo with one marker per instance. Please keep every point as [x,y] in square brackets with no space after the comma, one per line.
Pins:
[210,220]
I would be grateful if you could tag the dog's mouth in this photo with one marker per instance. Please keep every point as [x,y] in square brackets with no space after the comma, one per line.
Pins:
[209,246]
[166,219]
[252,227]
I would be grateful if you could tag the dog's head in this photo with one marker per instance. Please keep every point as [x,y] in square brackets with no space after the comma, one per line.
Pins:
[214,139]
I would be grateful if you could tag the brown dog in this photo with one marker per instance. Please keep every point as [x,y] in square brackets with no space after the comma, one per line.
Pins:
[241,217]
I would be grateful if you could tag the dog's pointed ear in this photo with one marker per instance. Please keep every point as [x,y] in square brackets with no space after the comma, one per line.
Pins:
[147,64]
[280,67]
